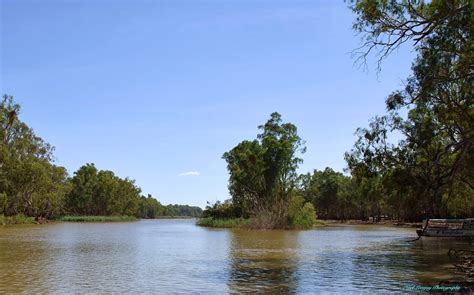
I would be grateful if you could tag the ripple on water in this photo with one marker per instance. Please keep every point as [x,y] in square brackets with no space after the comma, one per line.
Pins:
[177,256]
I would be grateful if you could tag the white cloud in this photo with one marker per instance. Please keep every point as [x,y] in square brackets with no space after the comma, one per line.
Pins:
[189,173]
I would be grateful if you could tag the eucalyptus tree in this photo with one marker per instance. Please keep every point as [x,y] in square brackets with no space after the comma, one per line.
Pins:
[263,171]
[101,192]
[429,171]
[30,182]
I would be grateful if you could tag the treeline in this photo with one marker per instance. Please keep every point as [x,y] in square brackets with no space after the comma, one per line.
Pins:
[151,208]
[100,192]
[182,210]
[414,162]
[32,185]
[343,197]
[429,172]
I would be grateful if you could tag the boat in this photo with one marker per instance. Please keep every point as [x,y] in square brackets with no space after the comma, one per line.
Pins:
[447,228]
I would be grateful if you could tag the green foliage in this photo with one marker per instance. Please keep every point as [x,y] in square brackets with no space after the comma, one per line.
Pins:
[16,219]
[30,183]
[305,218]
[97,192]
[263,171]
[300,214]
[182,210]
[222,210]
[333,194]
[294,207]
[429,172]
[222,223]
[3,203]
[150,207]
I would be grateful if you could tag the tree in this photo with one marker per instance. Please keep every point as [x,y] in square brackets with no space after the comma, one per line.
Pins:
[263,171]
[150,207]
[332,194]
[101,192]
[84,183]
[30,183]
[182,210]
[429,171]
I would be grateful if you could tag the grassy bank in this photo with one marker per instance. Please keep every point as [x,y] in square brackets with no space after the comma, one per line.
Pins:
[96,218]
[238,222]
[16,219]
[223,223]
[172,217]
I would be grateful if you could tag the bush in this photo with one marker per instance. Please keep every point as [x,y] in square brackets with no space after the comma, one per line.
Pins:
[301,215]
[306,217]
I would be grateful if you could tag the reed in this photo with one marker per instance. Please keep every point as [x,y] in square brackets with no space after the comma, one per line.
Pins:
[16,219]
[86,218]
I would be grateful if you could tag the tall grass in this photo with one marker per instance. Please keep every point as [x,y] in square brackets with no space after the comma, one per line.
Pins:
[250,223]
[71,218]
[224,223]
[16,219]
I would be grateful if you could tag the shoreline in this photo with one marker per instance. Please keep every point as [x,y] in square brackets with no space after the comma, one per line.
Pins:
[243,223]
[21,219]
[394,223]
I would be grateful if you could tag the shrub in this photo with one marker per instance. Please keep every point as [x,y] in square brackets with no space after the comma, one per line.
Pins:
[306,217]
[301,215]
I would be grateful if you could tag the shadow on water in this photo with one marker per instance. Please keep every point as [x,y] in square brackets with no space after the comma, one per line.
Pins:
[433,264]
[263,261]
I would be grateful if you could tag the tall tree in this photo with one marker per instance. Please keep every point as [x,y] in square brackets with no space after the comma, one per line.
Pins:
[101,192]
[30,183]
[263,171]
[429,170]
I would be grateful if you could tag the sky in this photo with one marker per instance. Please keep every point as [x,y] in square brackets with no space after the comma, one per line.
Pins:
[157,91]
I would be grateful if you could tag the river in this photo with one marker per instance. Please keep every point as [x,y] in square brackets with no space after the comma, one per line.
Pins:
[153,256]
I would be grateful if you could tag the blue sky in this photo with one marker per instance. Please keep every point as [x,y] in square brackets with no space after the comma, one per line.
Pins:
[154,90]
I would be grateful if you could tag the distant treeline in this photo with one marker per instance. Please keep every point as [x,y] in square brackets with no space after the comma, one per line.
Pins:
[31,184]
[151,208]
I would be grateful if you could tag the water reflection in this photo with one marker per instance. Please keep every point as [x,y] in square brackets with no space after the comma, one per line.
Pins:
[175,256]
[263,261]
[19,256]
[432,264]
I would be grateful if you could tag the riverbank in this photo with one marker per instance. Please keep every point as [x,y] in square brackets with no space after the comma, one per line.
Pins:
[222,223]
[172,217]
[92,218]
[246,223]
[16,219]
[238,223]
[396,223]
[22,219]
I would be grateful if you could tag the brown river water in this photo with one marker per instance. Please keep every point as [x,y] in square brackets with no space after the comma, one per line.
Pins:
[176,256]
